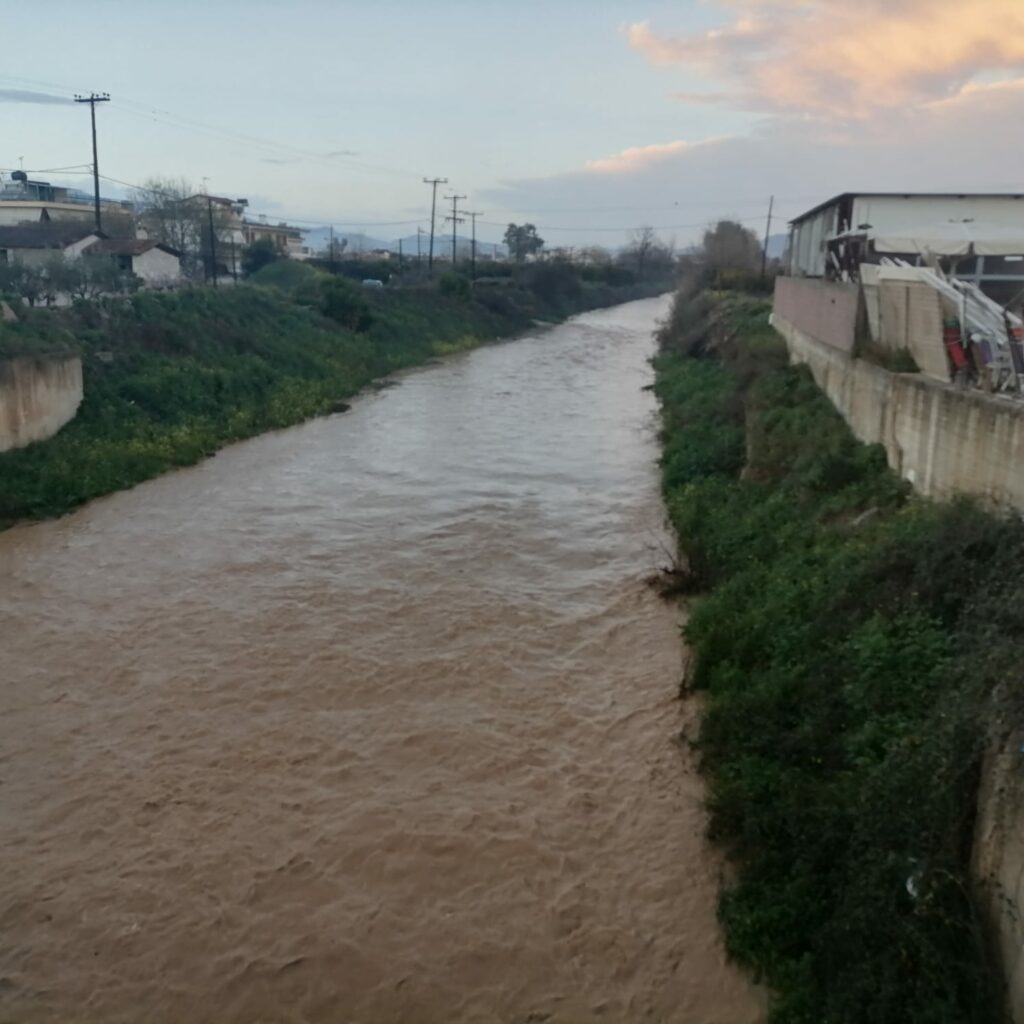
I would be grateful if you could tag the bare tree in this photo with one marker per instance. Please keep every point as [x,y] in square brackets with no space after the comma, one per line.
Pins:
[172,212]
[646,252]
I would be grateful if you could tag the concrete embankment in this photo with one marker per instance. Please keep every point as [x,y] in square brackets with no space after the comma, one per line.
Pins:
[945,441]
[37,397]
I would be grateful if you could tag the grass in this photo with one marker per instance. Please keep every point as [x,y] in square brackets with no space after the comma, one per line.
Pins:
[849,637]
[171,377]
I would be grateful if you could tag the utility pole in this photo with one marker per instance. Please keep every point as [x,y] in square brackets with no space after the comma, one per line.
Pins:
[473,214]
[213,239]
[92,99]
[456,221]
[399,255]
[767,232]
[330,252]
[433,182]
[419,255]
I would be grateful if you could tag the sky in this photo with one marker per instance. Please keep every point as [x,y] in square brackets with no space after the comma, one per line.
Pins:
[588,118]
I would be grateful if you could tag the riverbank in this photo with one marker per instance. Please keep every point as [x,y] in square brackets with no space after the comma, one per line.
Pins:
[852,640]
[170,378]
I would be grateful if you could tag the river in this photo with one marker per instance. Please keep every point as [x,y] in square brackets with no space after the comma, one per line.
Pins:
[368,720]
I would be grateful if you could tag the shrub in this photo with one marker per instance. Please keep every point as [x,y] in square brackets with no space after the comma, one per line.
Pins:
[346,304]
[453,284]
[848,663]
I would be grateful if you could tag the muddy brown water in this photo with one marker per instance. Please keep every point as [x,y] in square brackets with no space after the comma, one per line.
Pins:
[368,720]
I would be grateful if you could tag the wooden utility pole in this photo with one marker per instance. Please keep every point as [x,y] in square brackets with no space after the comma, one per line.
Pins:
[433,182]
[399,255]
[213,239]
[419,255]
[330,253]
[456,221]
[472,215]
[92,99]
[767,232]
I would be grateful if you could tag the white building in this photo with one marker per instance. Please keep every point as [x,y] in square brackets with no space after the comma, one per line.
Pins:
[23,201]
[892,213]
[156,264]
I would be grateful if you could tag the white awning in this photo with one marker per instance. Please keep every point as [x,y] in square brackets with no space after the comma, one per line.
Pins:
[954,238]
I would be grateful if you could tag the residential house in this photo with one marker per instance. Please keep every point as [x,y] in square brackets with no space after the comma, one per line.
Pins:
[24,201]
[155,264]
[286,238]
[35,243]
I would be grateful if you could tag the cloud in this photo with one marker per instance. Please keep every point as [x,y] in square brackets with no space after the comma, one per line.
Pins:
[636,156]
[834,58]
[341,152]
[958,144]
[25,96]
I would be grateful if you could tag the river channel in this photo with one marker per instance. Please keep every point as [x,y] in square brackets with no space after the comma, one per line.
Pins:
[369,720]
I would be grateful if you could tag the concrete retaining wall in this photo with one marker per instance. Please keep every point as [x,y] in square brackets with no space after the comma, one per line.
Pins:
[945,441]
[999,860]
[826,311]
[37,397]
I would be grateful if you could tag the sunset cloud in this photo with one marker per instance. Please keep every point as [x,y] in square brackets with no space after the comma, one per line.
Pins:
[636,156]
[832,58]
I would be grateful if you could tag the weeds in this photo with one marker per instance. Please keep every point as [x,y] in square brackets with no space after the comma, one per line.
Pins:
[849,668]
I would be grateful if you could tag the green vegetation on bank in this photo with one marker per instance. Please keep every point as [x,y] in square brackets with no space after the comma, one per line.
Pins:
[852,640]
[170,377]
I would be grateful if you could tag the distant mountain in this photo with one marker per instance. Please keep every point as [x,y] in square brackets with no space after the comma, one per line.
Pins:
[319,238]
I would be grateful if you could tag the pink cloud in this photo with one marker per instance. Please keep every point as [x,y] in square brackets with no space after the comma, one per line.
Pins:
[635,157]
[834,58]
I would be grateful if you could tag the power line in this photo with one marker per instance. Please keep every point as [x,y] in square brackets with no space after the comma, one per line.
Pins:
[456,221]
[433,183]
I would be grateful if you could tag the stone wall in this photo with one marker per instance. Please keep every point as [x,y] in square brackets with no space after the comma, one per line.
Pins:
[37,397]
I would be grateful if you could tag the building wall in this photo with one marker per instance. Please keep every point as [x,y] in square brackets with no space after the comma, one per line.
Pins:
[825,310]
[157,267]
[37,397]
[892,213]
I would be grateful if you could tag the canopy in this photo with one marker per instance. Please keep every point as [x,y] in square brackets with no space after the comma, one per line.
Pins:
[952,238]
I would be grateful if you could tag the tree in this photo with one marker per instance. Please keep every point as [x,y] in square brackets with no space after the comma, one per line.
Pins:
[523,241]
[63,276]
[731,247]
[595,256]
[170,211]
[25,280]
[647,253]
[258,255]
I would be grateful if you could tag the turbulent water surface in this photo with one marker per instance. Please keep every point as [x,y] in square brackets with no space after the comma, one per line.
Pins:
[368,720]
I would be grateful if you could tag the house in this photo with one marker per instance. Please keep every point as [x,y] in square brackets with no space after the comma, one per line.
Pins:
[24,201]
[286,238]
[853,228]
[35,243]
[156,264]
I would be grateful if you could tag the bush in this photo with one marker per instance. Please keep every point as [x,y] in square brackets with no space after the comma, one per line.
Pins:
[455,285]
[258,255]
[346,304]
[848,662]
